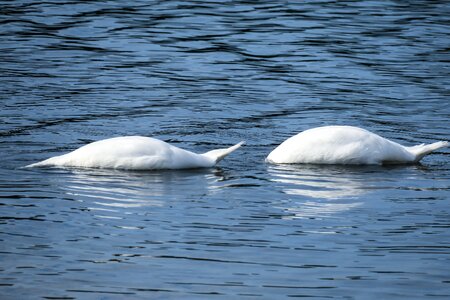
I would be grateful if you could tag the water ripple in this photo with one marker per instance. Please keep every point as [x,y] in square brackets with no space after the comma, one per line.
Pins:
[205,75]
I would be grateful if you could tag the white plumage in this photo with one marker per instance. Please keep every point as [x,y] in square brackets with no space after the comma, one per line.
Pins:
[135,153]
[346,145]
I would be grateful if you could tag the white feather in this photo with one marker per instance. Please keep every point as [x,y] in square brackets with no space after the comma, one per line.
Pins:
[346,145]
[135,153]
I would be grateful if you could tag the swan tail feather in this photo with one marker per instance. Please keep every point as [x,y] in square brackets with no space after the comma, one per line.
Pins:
[218,154]
[421,150]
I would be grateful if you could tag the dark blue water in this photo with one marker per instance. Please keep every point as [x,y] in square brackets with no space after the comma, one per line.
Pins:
[204,75]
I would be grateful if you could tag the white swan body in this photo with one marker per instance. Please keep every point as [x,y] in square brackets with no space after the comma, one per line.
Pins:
[135,153]
[346,145]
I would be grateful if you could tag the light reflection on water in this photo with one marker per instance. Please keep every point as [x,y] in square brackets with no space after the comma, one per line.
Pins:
[319,181]
[333,189]
[135,189]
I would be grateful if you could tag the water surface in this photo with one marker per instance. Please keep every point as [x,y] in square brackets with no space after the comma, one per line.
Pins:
[205,75]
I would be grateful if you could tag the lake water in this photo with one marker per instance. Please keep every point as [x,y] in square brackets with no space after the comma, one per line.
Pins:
[204,75]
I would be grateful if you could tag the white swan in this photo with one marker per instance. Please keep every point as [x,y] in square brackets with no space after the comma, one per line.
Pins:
[346,145]
[135,153]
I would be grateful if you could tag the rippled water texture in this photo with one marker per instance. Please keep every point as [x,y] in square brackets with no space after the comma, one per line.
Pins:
[204,75]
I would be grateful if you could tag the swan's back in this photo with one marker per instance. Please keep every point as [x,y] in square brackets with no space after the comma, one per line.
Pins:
[339,145]
[130,152]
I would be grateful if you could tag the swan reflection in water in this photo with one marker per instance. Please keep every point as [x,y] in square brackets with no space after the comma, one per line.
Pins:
[105,189]
[322,190]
